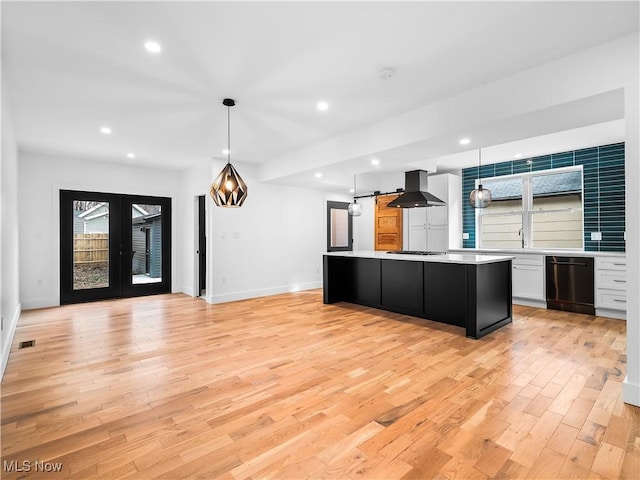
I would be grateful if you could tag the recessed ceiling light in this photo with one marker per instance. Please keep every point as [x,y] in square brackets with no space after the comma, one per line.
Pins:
[464,141]
[153,47]
[131,155]
[351,190]
[386,74]
[375,161]
[105,130]
[318,175]
[322,106]
[225,151]
[517,155]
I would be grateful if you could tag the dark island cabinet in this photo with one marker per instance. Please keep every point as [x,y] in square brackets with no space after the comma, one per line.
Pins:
[445,293]
[365,288]
[402,286]
[474,296]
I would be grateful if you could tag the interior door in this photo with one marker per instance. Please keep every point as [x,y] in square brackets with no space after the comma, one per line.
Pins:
[339,227]
[388,224]
[202,246]
[113,246]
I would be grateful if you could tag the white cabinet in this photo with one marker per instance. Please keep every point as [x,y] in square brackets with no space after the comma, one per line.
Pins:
[437,237]
[611,286]
[528,280]
[437,228]
[417,229]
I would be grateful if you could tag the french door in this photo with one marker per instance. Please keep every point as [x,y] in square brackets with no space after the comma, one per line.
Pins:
[113,246]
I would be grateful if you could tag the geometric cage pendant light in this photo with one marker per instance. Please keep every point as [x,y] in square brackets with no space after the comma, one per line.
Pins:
[480,197]
[228,189]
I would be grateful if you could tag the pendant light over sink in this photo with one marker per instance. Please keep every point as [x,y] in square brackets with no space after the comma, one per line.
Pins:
[480,197]
[228,189]
[355,208]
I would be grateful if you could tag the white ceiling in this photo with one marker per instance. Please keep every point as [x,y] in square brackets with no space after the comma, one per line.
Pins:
[73,67]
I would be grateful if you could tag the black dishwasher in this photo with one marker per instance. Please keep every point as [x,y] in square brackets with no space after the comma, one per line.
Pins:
[570,284]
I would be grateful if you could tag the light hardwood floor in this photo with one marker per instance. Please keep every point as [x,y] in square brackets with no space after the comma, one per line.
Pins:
[286,387]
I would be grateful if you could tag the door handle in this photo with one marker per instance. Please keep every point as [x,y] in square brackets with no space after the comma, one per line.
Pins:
[569,263]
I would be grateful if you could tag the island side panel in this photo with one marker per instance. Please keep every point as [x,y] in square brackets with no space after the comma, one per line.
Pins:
[335,281]
[348,279]
[490,298]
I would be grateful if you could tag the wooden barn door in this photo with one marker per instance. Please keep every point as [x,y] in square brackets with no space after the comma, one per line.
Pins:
[113,246]
[388,224]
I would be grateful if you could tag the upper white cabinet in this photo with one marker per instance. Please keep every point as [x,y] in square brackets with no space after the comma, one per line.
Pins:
[437,228]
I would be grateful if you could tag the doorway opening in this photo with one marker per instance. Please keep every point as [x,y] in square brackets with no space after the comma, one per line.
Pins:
[201,248]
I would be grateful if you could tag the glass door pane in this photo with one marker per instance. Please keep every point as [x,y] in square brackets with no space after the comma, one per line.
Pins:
[339,228]
[146,243]
[90,244]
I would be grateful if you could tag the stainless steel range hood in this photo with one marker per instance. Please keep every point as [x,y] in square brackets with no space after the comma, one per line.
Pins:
[415,192]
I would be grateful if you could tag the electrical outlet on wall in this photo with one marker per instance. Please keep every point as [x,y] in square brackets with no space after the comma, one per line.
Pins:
[596,235]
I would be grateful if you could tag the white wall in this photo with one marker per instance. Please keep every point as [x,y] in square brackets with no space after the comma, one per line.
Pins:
[363,231]
[195,181]
[632,213]
[40,178]
[272,244]
[9,280]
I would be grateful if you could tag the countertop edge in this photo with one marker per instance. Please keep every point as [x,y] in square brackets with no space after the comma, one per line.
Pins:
[459,258]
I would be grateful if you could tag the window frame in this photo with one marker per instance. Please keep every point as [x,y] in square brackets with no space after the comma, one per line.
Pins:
[527,205]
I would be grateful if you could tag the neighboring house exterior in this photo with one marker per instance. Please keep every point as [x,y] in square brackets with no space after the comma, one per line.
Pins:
[146,239]
[96,218]
[146,234]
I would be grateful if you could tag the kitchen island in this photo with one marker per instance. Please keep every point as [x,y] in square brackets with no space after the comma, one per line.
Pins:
[470,291]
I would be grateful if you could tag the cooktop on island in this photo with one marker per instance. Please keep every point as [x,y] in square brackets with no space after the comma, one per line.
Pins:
[418,252]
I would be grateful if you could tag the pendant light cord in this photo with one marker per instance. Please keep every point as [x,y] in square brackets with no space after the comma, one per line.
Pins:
[228,134]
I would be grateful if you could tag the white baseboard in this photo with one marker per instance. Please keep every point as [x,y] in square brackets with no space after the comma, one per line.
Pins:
[604,312]
[44,302]
[8,339]
[264,292]
[529,302]
[630,392]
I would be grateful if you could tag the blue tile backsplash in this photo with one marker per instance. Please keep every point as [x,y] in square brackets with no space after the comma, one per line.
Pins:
[603,181]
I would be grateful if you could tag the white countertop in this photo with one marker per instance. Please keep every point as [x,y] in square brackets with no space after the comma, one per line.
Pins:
[463,258]
[534,251]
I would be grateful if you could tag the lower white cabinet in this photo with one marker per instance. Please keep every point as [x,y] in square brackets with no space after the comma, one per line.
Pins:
[611,286]
[528,280]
